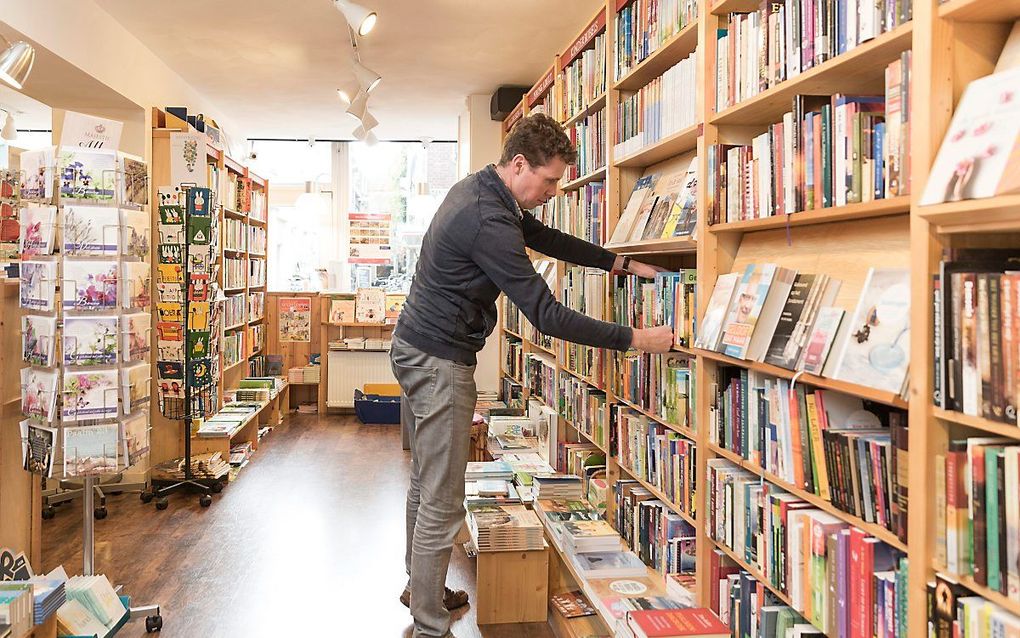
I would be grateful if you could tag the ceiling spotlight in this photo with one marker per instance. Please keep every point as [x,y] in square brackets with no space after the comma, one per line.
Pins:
[344,96]
[361,19]
[360,133]
[368,121]
[16,63]
[371,139]
[9,132]
[359,106]
[367,78]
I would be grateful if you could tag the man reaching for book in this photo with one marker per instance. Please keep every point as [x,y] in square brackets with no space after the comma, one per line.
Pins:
[474,249]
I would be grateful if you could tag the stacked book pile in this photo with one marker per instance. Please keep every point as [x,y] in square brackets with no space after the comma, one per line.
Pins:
[590,536]
[203,466]
[92,605]
[240,453]
[490,492]
[308,408]
[498,528]
[48,594]
[16,606]
[488,470]
[557,486]
[227,421]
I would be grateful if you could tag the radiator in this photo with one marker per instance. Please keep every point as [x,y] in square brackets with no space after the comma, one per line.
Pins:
[350,369]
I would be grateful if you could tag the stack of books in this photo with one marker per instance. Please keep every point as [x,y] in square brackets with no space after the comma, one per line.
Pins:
[478,493]
[16,608]
[96,597]
[613,564]
[497,528]
[48,595]
[240,453]
[304,375]
[203,466]
[488,470]
[590,536]
[557,486]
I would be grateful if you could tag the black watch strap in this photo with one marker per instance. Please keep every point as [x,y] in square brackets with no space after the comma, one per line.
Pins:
[626,264]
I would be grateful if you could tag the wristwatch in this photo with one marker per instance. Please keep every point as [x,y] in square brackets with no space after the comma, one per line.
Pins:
[626,264]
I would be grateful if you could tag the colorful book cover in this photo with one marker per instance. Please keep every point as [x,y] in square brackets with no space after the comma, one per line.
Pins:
[341,311]
[90,285]
[137,285]
[37,448]
[877,353]
[743,315]
[137,332]
[823,333]
[136,228]
[87,174]
[37,171]
[38,337]
[90,341]
[38,224]
[642,189]
[135,433]
[38,392]
[91,449]
[91,230]
[370,305]
[38,285]
[136,386]
[784,350]
[718,309]
[89,395]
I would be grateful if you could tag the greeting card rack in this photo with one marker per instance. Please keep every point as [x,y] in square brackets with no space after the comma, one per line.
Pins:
[188,323]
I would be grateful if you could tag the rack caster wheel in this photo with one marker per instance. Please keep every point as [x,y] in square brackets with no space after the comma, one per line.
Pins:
[153,623]
[146,497]
[217,487]
[48,512]
[100,513]
[162,503]
[205,500]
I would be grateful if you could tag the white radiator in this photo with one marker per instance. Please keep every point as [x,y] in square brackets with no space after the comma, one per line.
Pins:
[352,369]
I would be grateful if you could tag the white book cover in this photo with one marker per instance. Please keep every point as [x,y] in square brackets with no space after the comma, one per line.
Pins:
[38,337]
[89,395]
[89,285]
[90,341]
[629,216]
[136,380]
[370,305]
[718,305]
[135,433]
[38,392]
[136,228]
[91,230]
[91,449]
[38,285]
[86,174]
[877,352]
[37,173]
[137,336]
[136,285]
[38,224]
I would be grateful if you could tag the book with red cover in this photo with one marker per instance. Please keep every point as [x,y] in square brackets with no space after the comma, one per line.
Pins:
[696,622]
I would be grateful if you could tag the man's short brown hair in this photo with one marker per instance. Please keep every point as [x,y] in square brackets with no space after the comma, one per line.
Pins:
[539,138]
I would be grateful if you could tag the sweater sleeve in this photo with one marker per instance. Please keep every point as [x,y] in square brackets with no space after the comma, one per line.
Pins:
[559,245]
[499,251]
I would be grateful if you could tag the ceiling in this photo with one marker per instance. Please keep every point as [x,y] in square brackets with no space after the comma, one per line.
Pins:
[275,65]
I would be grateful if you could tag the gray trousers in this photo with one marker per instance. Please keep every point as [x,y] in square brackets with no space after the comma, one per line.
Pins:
[437,404]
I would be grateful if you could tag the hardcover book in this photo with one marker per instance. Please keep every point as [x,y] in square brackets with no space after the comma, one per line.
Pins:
[91,449]
[38,285]
[89,395]
[38,335]
[717,311]
[90,341]
[38,392]
[37,230]
[89,285]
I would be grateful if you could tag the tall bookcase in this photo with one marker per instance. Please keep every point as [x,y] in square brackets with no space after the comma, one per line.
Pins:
[952,43]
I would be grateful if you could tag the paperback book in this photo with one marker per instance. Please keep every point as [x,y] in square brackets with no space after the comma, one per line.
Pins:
[89,395]
[90,341]
[712,324]
[38,335]
[91,230]
[91,449]
[90,285]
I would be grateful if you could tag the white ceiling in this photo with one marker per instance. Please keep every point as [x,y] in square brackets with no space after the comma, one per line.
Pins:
[275,65]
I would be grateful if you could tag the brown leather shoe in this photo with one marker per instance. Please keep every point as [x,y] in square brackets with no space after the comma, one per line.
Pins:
[452,599]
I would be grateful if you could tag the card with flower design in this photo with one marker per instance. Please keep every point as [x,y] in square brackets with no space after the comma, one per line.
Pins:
[38,285]
[187,159]
[37,229]
[87,174]
[135,433]
[136,279]
[137,342]
[90,341]
[136,386]
[90,285]
[91,449]
[89,395]
[37,174]
[38,336]
[136,227]
[91,230]
[135,180]
[38,393]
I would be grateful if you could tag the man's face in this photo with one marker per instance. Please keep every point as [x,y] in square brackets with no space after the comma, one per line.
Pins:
[535,185]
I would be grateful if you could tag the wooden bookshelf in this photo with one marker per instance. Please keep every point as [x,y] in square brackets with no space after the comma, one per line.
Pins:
[978,423]
[656,246]
[676,427]
[584,436]
[659,494]
[595,176]
[667,55]
[679,142]
[993,214]
[851,212]
[980,11]
[593,107]
[580,377]
[1010,605]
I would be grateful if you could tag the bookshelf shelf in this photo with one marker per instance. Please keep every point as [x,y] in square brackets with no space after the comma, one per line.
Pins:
[852,212]
[256,320]
[240,325]
[658,419]
[233,214]
[354,324]
[580,182]
[595,106]
[980,11]
[978,423]
[234,251]
[746,566]
[857,71]
[539,347]
[232,289]
[1005,602]
[723,7]
[231,366]
[659,494]
[991,214]
[580,377]
[581,433]
[680,142]
[668,54]
[257,222]
[513,334]
[864,392]
[656,246]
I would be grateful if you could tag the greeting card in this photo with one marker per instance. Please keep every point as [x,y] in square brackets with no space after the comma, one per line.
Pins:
[187,159]
[198,316]
[136,386]
[90,341]
[38,285]
[136,227]
[200,373]
[91,230]
[38,335]
[91,449]
[198,345]
[170,274]
[171,379]
[89,285]
[38,392]
[87,174]
[136,280]
[169,293]
[170,312]
[135,433]
[199,230]
[136,329]
[37,448]
[89,395]
[198,204]
[37,230]
[135,181]
[171,351]
[170,254]
[37,171]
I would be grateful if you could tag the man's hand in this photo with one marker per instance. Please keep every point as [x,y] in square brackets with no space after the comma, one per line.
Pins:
[654,340]
[638,268]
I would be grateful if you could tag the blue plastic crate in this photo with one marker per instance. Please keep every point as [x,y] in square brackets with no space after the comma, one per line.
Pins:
[376,408]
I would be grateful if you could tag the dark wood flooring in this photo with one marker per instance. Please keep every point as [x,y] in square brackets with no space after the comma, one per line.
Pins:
[309,541]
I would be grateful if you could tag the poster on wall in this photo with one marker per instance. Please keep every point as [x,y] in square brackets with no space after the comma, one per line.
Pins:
[295,319]
[370,238]
[187,159]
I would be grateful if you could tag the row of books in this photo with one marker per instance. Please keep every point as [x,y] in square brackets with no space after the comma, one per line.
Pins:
[976,512]
[785,318]
[238,193]
[234,272]
[257,240]
[584,79]
[661,207]
[256,272]
[664,106]
[258,365]
[843,581]
[976,301]
[667,300]
[579,212]
[234,235]
[825,152]
[258,338]
[584,407]
[513,356]
[642,26]
[756,51]
[847,452]
[583,290]
[540,377]
[660,537]
[234,307]
[658,455]
[954,610]
[513,318]
[256,306]
[588,136]
[658,384]
[233,348]
[258,211]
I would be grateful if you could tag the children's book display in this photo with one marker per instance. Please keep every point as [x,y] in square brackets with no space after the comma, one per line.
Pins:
[85,289]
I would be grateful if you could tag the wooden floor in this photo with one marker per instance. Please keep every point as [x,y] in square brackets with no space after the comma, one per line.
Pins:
[309,541]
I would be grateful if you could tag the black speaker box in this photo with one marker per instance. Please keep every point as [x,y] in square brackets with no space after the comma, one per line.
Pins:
[504,100]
